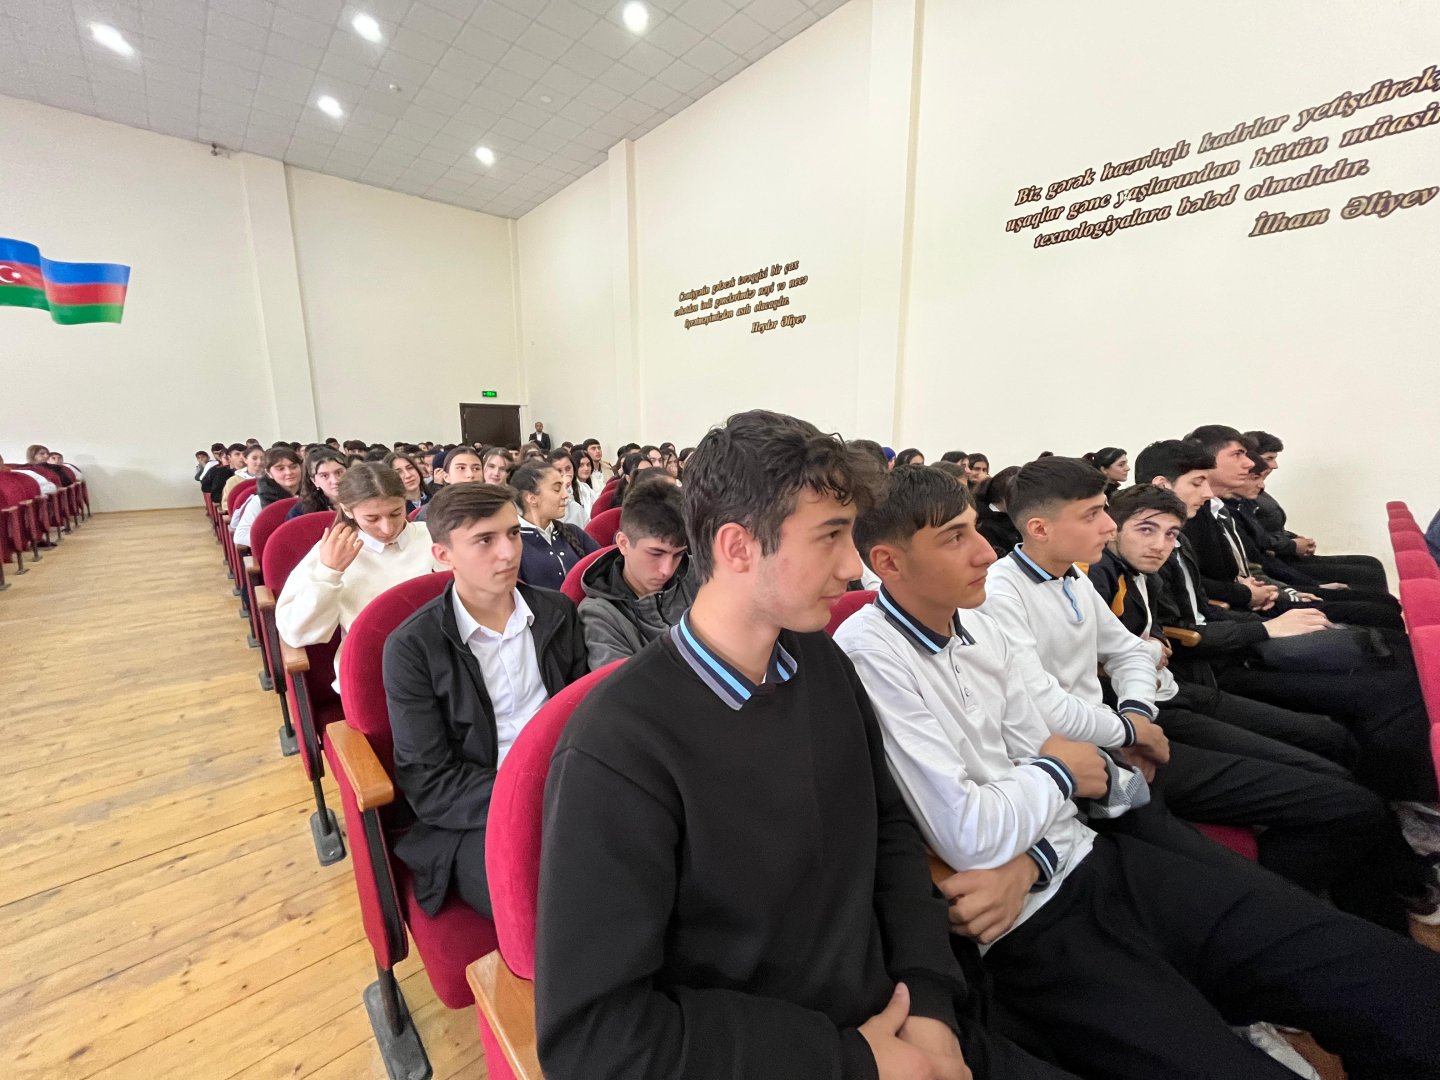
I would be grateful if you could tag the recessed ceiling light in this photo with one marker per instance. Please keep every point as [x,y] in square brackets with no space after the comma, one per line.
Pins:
[635,16]
[485,155]
[546,99]
[111,38]
[366,27]
[329,106]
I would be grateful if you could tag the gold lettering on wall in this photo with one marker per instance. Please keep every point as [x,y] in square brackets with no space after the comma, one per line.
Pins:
[756,292]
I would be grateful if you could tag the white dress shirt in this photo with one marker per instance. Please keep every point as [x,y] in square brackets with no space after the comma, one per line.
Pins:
[509,665]
[47,486]
[962,738]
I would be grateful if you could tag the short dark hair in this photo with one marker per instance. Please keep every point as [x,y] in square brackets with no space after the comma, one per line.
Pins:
[1043,485]
[218,448]
[952,468]
[654,508]
[954,455]
[450,456]
[589,443]
[1265,443]
[910,498]
[457,505]
[1172,459]
[236,448]
[751,471]
[997,488]
[977,456]
[871,447]
[1127,503]
[1215,437]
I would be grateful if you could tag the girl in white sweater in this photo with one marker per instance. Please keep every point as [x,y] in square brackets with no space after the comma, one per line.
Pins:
[369,548]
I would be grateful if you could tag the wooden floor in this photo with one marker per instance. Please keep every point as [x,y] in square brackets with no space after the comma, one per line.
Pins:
[161,910]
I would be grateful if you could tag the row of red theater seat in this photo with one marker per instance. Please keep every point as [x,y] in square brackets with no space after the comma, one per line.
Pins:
[1420,601]
[31,519]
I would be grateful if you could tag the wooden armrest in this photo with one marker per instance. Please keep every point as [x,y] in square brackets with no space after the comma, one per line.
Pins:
[297,660]
[939,869]
[252,568]
[362,768]
[242,551]
[1181,636]
[264,598]
[508,1004]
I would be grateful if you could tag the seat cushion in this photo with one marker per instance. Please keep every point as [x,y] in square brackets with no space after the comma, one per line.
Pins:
[449,941]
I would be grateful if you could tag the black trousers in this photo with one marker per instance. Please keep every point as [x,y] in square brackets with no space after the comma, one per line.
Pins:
[1357,571]
[1136,969]
[468,877]
[1318,827]
[1312,732]
[1381,706]
[1340,606]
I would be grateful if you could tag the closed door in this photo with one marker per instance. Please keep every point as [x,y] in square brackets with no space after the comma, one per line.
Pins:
[491,425]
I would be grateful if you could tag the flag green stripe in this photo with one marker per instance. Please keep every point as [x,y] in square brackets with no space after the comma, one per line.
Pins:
[23,296]
[87,313]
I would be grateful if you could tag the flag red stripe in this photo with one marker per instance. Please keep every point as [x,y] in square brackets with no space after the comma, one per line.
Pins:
[84,294]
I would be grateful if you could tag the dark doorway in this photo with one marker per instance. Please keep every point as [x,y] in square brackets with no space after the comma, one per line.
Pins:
[491,425]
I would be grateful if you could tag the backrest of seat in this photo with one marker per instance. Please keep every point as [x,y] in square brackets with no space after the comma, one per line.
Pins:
[846,606]
[51,473]
[1416,564]
[571,586]
[287,545]
[1408,541]
[603,526]
[270,519]
[362,681]
[238,492]
[26,487]
[1425,641]
[1395,504]
[1420,599]
[512,838]
[603,502]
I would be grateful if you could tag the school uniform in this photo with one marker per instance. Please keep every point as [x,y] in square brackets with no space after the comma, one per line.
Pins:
[459,694]
[550,553]
[730,883]
[1128,961]
[1217,773]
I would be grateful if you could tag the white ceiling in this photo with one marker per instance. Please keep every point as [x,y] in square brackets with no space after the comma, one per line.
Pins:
[246,74]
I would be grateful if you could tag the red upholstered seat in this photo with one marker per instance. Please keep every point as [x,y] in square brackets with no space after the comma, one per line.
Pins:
[1396,504]
[19,518]
[846,606]
[1404,517]
[571,585]
[603,525]
[1235,837]
[605,500]
[457,934]
[312,698]
[1420,600]
[1416,564]
[44,513]
[265,523]
[512,845]
[1408,541]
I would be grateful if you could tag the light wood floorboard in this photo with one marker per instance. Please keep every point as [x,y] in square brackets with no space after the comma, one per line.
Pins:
[161,910]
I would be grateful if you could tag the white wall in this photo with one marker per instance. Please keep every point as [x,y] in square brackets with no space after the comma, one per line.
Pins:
[1324,336]
[256,306]
[130,403]
[409,306]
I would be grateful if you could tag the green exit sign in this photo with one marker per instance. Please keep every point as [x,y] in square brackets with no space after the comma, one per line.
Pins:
[489,393]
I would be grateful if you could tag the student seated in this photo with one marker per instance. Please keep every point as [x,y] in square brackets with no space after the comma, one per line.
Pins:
[369,548]
[280,480]
[417,489]
[463,675]
[203,462]
[1315,818]
[977,469]
[552,546]
[226,466]
[577,511]
[252,467]
[495,465]
[1358,571]
[1114,463]
[1219,547]
[637,592]
[730,884]
[991,520]
[1148,520]
[319,481]
[461,465]
[599,470]
[1122,959]
[582,490]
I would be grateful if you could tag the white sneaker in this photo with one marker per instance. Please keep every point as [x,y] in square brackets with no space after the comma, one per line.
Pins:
[1266,1037]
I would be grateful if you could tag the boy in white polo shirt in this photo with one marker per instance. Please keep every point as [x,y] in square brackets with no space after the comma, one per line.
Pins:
[1123,959]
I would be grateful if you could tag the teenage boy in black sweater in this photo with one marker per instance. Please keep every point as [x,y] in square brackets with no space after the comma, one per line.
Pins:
[1128,960]
[730,884]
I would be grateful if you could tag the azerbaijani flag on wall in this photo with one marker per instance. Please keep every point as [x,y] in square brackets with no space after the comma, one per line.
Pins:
[71,292]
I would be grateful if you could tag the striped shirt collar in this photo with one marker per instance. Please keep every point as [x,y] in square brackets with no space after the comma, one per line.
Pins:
[916,632]
[1034,571]
[729,685]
